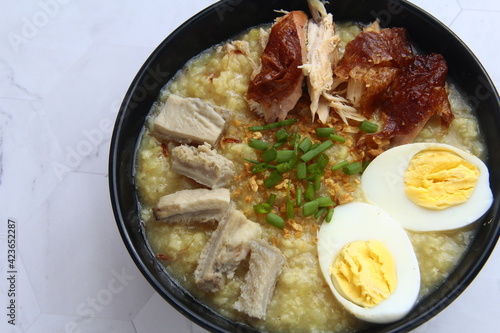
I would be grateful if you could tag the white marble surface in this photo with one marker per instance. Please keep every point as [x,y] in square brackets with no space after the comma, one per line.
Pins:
[64,68]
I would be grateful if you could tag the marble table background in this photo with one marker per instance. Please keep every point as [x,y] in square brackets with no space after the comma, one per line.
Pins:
[64,68]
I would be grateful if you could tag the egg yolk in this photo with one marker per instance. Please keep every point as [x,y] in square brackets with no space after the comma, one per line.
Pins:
[364,273]
[437,179]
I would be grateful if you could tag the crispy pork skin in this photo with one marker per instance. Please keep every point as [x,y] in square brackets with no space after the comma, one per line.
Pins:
[416,95]
[202,164]
[275,90]
[199,205]
[228,245]
[190,120]
[370,63]
[266,263]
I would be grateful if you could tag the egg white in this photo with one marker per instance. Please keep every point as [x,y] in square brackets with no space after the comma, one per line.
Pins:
[361,221]
[383,185]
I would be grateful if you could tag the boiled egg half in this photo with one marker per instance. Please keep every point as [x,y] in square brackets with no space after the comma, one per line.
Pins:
[429,186]
[368,262]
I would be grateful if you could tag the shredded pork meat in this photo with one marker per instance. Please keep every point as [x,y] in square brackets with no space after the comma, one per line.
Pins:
[322,57]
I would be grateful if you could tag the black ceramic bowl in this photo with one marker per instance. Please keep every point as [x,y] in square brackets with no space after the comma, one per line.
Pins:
[220,22]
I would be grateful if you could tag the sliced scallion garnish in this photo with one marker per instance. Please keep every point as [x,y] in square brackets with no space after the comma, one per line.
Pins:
[368,127]
[324,132]
[319,213]
[339,165]
[290,209]
[269,155]
[337,138]
[352,168]
[310,208]
[262,208]
[284,155]
[305,145]
[275,220]
[329,215]
[316,151]
[298,197]
[259,144]
[301,171]
[281,135]
[325,201]
[273,179]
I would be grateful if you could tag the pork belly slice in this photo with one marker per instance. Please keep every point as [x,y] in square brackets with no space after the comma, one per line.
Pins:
[190,120]
[266,263]
[202,164]
[228,245]
[322,56]
[196,205]
[275,90]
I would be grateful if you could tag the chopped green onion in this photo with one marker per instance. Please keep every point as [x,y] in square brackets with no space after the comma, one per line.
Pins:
[295,140]
[272,198]
[316,151]
[316,144]
[279,144]
[310,208]
[262,208]
[269,155]
[301,171]
[251,161]
[284,155]
[368,127]
[313,168]
[283,123]
[324,132]
[309,194]
[290,212]
[337,138]
[283,167]
[258,144]
[339,165]
[317,182]
[305,145]
[282,135]
[273,179]
[352,168]
[293,161]
[298,196]
[257,168]
[329,215]
[325,201]
[319,213]
[275,220]
[322,161]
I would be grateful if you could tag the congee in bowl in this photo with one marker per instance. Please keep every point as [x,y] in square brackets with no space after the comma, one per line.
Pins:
[312,175]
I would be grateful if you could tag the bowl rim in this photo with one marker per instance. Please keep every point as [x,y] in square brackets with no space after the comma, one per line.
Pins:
[459,286]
